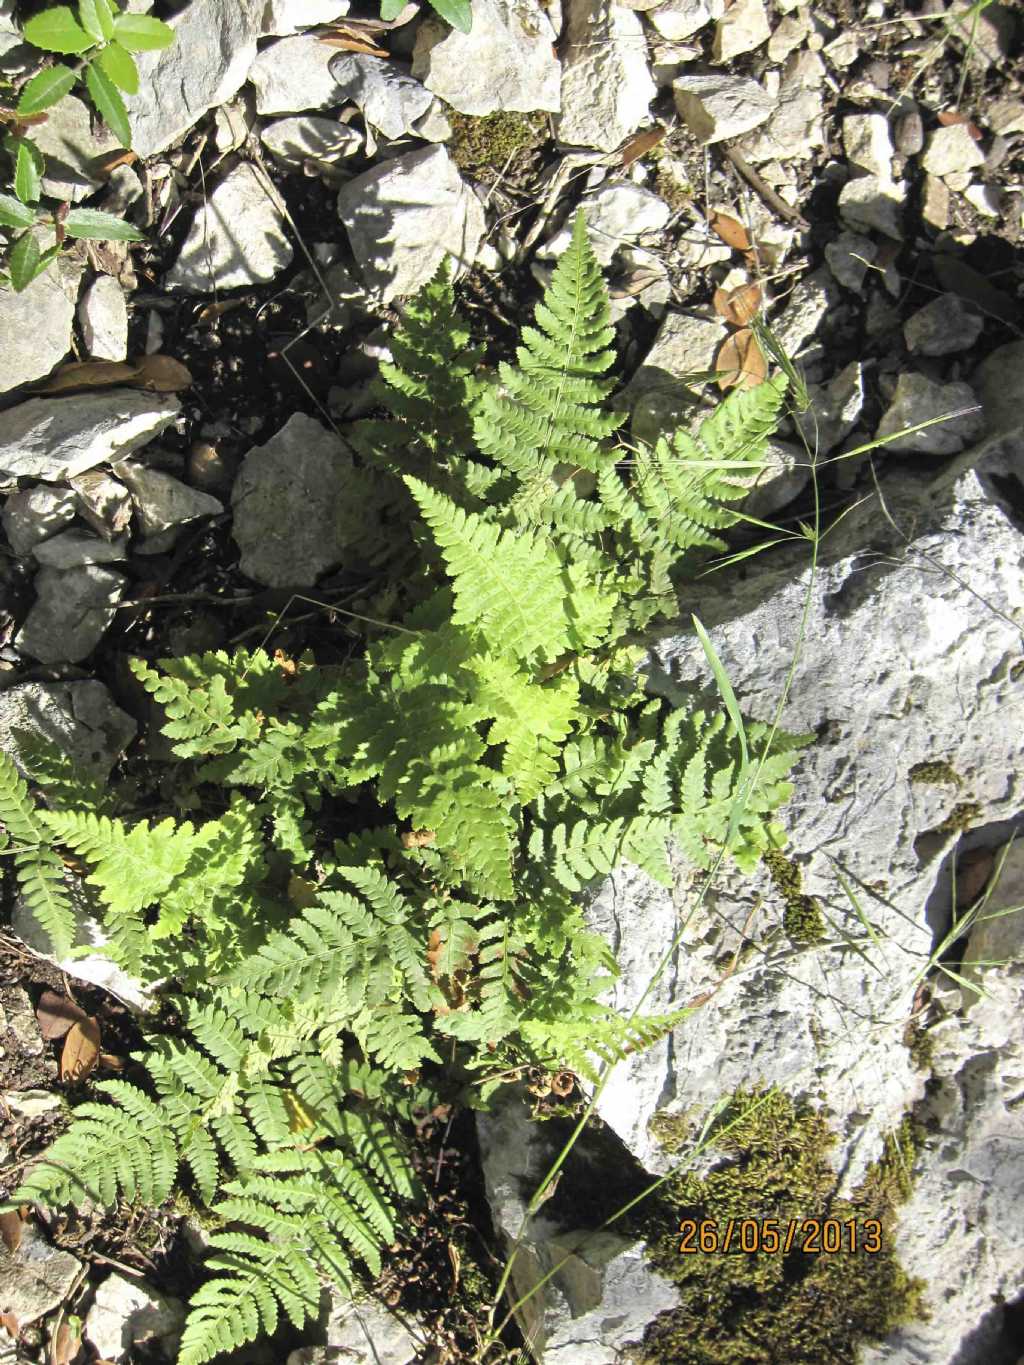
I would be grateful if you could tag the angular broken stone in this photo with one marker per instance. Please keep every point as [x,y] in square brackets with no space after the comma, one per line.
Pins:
[657,394]
[944,326]
[103,317]
[237,237]
[294,74]
[126,1314]
[69,140]
[285,17]
[72,610]
[213,49]
[919,399]
[795,127]
[834,410]
[297,505]
[849,258]
[680,19]
[405,215]
[615,215]
[719,107]
[80,718]
[607,87]
[32,514]
[306,137]
[70,549]
[868,144]
[103,502]
[743,27]
[37,1278]
[55,438]
[390,99]
[951,150]
[35,324]
[162,501]
[868,204]
[505,62]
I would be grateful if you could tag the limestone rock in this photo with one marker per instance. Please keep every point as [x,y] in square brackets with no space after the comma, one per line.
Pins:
[294,141]
[69,140]
[72,610]
[719,107]
[834,409]
[919,399]
[999,383]
[37,1277]
[951,150]
[390,99]
[868,204]
[296,504]
[680,19]
[162,501]
[616,215]
[943,326]
[79,717]
[294,74]
[809,304]
[236,238]
[606,84]
[213,49]
[366,1330]
[868,144]
[795,127]
[103,317]
[72,548]
[849,258]
[506,61]
[56,438]
[103,502]
[285,17]
[404,215]
[657,394]
[743,27]
[32,514]
[35,325]
[129,1313]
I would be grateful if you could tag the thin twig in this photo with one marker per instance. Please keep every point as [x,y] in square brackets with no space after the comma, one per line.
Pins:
[771,198]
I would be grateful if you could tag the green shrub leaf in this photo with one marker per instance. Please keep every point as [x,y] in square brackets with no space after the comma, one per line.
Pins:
[97,18]
[119,65]
[104,227]
[28,171]
[108,101]
[142,33]
[14,214]
[46,89]
[57,30]
[23,260]
[454,12]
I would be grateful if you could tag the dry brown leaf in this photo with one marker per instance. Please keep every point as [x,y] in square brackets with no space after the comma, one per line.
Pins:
[640,145]
[738,306]
[740,362]
[350,43]
[11,1325]
[111,1061]
[11,1229]
[103,166]
[210,312]
[81,1050]
[730,230]
[418,838]
[953,116]
[88,374]
[56,1013]
[434,945]
[161,374]
[65,1344]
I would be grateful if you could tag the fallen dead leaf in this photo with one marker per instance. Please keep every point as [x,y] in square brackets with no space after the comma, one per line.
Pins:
[418,838]
[66,1343]
[111,1061]
[953,116]
[738,306]
[640,145]
[81,1050]
[11,1325]
[730,230]
[740,362]
[56,1013]
[103,166]
[11,1229]
[161,374]
[350,43]
[301,892]
[156,373]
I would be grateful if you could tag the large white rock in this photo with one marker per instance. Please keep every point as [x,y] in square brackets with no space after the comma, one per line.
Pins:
[680,19]
[899,668]
[616,215]
[214,47]
[79,717]
[742,28]
[103,317]
[606,83]
[295,74]
[506,61]
[35,325]
[305,137]
[69,139]
[284,17]
[72,610]
[126,1314]
[657,396]
[55,438]
[390,99]
[405,215]
[236,238]
[717,107]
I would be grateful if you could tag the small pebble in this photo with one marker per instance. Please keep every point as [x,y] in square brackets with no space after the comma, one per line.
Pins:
[875,9]
[909,133]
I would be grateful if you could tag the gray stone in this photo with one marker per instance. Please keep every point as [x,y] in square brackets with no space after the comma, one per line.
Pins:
[935,203]
[1005,116]
[506,62]
[944,326]
[909,133]
[849,258]
[366,1331]
[296,505]
[306,137]
[103,317]
[795,127]
[810,302]
[919,399]
[72,610]
[213,49]
[789,34]
[834,409]
[70,549]
[37,1277]
[285,17]
[236,238]
[786,474]
[906,665]
[20,1018]
[55,438]
[657,395]
[868,204]
[80,718]
[390,99]
[868,144]
[295,74]
[35,325]
[162,501]
[32,514]
[103,502]
[405,215]
[606,84]
[719,107]
[680,19]
[615,215]
[129,1313]
[999,383]
[69,140]
[951,150]
[742,28]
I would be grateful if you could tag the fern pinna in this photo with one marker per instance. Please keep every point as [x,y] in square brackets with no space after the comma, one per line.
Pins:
[380,900]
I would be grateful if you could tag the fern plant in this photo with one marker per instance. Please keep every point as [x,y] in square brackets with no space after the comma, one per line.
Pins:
[381,902]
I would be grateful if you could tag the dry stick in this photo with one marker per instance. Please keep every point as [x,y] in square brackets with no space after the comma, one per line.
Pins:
[773,200]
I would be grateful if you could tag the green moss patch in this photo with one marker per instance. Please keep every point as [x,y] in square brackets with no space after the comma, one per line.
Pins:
[937,772]
[802,919]
[478,143]
[800,1307]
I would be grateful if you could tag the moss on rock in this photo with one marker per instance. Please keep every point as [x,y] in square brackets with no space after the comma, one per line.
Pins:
[802,919]
[477,143]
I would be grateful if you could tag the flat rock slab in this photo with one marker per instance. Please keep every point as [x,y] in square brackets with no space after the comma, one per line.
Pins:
[80,718]
[718,107]
[37,1277]
[32,514]
[127,1314]
[73,547]
[236,238]
[390,99]
[35,325]
[295,74]
[405,215]
[506,62]
[919,399]
[616,215]
[296,504]
[72,610]
[163,501]
[309,138]
[214,47]
[56,438]
[69,140]
[607,86]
